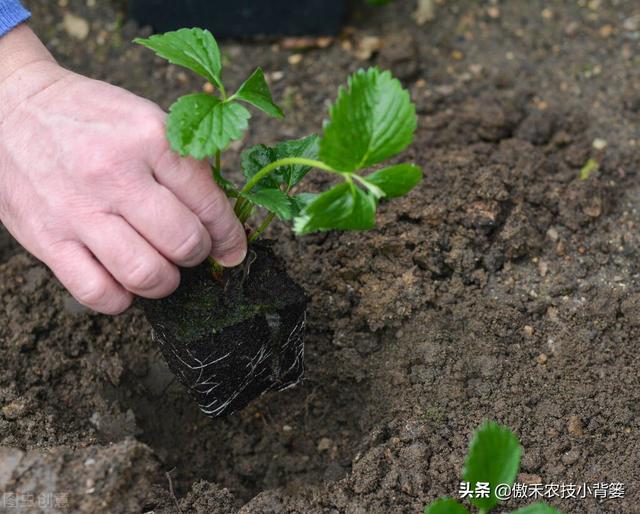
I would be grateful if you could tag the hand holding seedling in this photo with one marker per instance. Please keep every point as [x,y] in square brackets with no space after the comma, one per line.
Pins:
[89,185]
[371,121]
[231,335]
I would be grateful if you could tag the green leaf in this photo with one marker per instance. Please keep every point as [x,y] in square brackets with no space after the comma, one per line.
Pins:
[255,91]
[493,457]
[257,157]
[343,207]
[445,506]
[396,180]
[274,200]
[537,508]
[304,199]
[372,120]
[195,49]
[306,147]
[199,125]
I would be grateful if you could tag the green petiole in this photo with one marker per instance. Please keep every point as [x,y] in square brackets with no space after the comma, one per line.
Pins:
[285,162]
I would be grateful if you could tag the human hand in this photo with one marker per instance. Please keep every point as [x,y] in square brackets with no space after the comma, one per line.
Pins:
[89,185]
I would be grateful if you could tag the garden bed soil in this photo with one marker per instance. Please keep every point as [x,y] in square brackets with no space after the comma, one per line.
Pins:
[504,286]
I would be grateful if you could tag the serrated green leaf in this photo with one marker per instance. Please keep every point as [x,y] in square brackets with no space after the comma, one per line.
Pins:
[276,201]
[257,157]
[343,207]
[371,187]
[304,199]
[396,180]
[255,91]
[493,457]
[195,49]
[306,147]
[445,506]
[372,120]
[199,125]
[537,508]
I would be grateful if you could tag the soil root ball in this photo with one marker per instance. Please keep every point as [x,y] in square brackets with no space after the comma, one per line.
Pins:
[233,338]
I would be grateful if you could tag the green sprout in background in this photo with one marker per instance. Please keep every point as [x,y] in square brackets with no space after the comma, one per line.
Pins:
[372,120]
[493,458]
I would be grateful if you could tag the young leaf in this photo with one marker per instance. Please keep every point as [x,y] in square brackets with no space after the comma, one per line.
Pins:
[343,207]
[257,157]
[537,508]
[396,180]
[445,506]
[256,92]
[199,125]
[304,199]
[195,49]
[306,147]
[493,457]
[372,120]
[274,200]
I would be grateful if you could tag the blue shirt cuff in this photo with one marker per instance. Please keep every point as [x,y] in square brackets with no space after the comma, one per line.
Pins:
[12,13]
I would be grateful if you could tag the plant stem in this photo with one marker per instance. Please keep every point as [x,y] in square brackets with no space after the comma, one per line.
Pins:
[245,211]
[285,162]
[217,172]
[216,267]
[265,223]
[237,208]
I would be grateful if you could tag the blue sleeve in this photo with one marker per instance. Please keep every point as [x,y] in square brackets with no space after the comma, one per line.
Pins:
[12,13]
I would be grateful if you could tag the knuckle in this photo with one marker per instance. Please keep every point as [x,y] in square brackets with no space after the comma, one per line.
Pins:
[143,276]
[94,294]
[191,248]
[152,128]
[213,207]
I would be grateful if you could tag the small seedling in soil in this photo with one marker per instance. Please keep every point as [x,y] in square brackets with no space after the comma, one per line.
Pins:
[231,334]
[591,166]
[494,459]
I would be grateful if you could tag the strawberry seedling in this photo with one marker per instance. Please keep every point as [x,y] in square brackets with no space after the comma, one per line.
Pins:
[491,466]
[209,330]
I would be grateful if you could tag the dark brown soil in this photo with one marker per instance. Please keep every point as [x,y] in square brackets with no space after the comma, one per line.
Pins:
[235,336]
[503,287]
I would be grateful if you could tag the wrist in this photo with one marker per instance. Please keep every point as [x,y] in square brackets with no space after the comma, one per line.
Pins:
[22,55]
[18,48]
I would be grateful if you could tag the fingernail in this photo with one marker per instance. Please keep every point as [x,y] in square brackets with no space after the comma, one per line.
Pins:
[231,259]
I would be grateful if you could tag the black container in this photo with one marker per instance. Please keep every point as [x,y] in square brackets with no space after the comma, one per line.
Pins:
[231,338]
[242,18]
